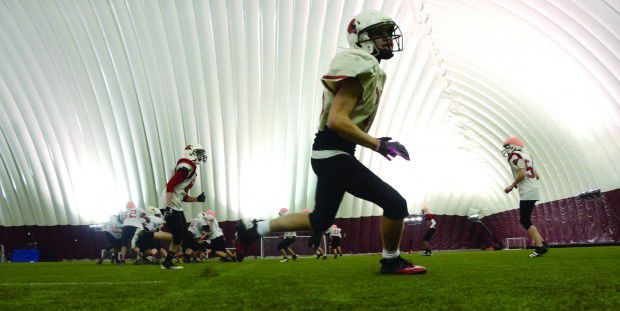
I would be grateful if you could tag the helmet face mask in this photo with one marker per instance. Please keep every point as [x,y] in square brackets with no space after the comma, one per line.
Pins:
[508,149]
[511,145]
[196,153]
[366,31]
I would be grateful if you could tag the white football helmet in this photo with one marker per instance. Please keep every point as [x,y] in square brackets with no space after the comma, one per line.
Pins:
[371,25]
[195,152]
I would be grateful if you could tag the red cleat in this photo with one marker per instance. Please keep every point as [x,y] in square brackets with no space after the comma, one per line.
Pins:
[399,265]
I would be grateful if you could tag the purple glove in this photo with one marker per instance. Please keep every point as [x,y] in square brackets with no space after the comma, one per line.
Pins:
[391,149]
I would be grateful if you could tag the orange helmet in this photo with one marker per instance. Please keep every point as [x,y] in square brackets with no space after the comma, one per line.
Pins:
[130,205]
[512,144]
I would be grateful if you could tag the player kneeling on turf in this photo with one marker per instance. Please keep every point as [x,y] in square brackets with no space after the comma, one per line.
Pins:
[215,236]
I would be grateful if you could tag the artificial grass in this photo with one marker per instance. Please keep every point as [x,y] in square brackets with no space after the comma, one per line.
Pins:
[565,279]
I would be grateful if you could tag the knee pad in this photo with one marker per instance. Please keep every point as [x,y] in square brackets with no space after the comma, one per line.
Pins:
[396,209]
[526,223]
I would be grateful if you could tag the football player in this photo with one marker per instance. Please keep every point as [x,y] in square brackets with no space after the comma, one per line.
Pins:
[195,235]
[288,238]
[113,232]
[215,236]
[430,221]
[526,181]
[145,241]
[352,89]
[132,219]
[335,237]
[176,192]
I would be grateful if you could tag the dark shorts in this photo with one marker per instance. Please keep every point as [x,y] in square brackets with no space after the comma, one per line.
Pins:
[286,242]
[218,244]
[175,223]
[336,241]
[112,241]
[429,233]
[127,235]
[148,242]
[189,242]
[345,174]
[525,212]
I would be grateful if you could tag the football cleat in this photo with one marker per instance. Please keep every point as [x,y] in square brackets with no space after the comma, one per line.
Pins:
[399,265]
[168,265]
[294,257]
[539,251]
[284,260]
[247,234]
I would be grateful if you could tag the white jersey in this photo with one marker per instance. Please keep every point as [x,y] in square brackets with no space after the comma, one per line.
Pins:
[334,232]
[349,63]
[114,226]
[196,225]
[180,190]
[132,217]
[216,231]
[154,223]
[528,187]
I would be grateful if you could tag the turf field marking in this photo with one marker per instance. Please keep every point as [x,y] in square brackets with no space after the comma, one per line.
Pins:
[79,283]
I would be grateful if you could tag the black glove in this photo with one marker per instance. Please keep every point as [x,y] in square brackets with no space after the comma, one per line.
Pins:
[391,149]
[201,197]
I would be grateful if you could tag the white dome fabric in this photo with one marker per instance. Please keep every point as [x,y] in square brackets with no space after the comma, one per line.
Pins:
[98,99]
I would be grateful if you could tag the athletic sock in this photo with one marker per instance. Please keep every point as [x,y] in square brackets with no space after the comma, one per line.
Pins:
[262,227]
[391,254]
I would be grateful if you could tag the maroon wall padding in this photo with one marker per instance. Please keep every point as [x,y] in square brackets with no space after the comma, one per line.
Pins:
[565,221]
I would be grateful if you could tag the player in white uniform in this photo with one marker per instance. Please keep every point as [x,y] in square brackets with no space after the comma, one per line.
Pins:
[430,221]
[132,219]
[146,241]
[288,238]
[175,193]
[195,236]
[526,181]
[113,232]
[335,236]
[215,236]
[352,89]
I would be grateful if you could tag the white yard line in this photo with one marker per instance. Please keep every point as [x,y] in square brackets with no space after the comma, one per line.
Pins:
[79,283]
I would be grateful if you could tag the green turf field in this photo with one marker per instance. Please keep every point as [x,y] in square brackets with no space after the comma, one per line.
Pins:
[566,279]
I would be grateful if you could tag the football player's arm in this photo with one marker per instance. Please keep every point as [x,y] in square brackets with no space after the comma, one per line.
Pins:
[349,92]
[189,198]
[178,177]
[518,179]
[536,174]
[199,198]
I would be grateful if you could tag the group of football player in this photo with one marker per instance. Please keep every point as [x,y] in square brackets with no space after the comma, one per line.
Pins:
[142,232]
[352,89]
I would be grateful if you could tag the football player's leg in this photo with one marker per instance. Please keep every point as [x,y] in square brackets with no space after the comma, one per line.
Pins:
[163,236]
[366,185]
[525,218]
